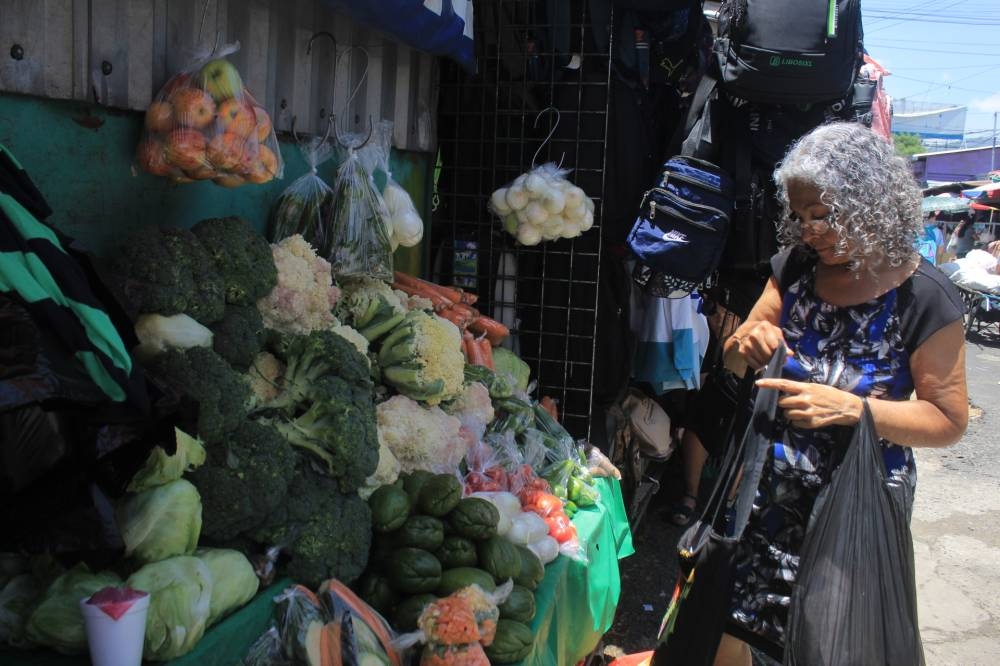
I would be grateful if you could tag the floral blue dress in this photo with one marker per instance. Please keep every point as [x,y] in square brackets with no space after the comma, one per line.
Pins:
[864,349]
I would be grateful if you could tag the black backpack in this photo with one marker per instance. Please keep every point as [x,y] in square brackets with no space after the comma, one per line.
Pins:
[789,51]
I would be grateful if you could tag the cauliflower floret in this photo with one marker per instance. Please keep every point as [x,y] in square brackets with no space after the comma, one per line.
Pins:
[386,473]
[305,295]
[420,437]
[473,408]
[264,374]
[352,336]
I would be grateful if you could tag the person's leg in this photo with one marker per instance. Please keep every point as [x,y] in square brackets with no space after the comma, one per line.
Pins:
[732,652]
[694,457]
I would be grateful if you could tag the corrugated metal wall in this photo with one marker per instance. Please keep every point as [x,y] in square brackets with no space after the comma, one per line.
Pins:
[119,53]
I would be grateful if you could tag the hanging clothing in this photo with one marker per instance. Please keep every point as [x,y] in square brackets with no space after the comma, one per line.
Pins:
[671,340]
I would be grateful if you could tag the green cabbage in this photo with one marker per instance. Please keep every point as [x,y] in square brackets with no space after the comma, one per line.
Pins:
[16,599]
[161,522]
[56,622]
[234,582]
[508,365]
[161,469]
[180,598]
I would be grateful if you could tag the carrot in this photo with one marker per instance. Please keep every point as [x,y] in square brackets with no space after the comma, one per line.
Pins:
[549,405]
[494,331]
[486,352]
[365,613]
[467,297]
[467,341]
[475,353]
[469,311]
[457,317]
[452,294]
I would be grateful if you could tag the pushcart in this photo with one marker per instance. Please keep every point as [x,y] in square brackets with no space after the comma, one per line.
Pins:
[982,310]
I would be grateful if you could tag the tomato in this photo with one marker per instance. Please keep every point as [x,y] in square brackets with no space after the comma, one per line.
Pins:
[498,474]
[548,503]
[560,527]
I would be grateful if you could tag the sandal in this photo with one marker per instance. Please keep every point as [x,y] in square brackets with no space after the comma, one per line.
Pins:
[682,514]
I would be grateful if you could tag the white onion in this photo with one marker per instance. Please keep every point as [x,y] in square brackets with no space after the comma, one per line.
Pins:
[536,213]
[536,185]
[528,235]
[574,196]
[588,221]
[510,224]
[517,197]
[546,548]
[499,202]
[554,201]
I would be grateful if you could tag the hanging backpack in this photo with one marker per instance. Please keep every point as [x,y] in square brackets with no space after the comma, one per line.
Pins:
[789,51]
[681,229]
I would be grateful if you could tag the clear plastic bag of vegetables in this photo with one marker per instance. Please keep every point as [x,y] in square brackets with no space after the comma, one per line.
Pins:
[405,227]
[306,206]
[360,244]
[542,205]
[204,124]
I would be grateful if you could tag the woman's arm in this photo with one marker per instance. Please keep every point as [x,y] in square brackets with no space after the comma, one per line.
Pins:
[754,341]
[937,416]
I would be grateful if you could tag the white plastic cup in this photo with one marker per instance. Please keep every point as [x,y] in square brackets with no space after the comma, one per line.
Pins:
[115,642]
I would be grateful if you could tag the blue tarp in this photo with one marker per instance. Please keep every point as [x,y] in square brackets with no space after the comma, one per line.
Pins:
[441,27]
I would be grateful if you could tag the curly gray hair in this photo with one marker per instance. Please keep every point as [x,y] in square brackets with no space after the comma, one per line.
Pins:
[871,190]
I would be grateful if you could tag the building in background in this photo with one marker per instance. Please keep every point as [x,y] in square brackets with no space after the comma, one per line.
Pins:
[950,166]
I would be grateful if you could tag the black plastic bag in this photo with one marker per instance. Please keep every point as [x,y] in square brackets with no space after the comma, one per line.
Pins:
[699,607]
[855,601]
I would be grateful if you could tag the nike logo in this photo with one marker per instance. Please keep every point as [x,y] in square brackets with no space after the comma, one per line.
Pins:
[674,236]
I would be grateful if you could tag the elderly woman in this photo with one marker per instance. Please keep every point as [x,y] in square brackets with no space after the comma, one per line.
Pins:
[862,315]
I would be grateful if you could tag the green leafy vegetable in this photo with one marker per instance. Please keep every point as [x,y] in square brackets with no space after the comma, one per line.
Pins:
[180,590]
[56,621]
[161,468]
[161,522]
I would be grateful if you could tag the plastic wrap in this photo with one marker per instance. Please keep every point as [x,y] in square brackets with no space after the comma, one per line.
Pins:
[306,206]
[360,240]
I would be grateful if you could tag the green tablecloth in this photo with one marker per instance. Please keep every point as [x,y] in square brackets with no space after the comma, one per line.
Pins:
[223,645]
[576,602]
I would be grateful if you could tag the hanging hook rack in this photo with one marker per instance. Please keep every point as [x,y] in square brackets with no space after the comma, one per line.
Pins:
[549,137]
[326,136]
[344,143]
[321,33]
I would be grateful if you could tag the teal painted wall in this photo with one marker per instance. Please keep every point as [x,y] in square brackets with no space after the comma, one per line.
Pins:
[80,157]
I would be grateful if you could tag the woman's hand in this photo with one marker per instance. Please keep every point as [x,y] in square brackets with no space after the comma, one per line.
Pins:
[755,342]
[808,405]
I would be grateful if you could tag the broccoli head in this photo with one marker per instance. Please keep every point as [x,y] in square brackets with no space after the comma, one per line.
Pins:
[241,256]
[166,271]
[239,336]
[222,394]
[338,429]
[312,357]
[244,480]
[326,532]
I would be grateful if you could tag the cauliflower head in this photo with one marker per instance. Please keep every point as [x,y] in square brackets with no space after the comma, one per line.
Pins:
[420,437]
[305,295]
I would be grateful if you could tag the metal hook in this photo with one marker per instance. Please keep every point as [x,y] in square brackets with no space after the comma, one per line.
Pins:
[340,139]
[321,33]
[551,132]
[326,136]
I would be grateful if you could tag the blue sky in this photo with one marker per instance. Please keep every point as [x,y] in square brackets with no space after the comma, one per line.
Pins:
[943,51]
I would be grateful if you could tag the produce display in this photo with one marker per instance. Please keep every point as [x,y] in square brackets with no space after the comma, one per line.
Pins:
[341,432]
[541,205]
[204,124]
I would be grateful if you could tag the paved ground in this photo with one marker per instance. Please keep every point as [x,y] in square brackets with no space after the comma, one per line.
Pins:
[956,533]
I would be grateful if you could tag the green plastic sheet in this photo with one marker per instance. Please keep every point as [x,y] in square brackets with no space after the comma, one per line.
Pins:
[576,601]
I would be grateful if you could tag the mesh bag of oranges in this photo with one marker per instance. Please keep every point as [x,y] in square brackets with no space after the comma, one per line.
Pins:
[205,125]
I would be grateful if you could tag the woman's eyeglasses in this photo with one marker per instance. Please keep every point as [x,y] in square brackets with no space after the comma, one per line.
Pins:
[816,227]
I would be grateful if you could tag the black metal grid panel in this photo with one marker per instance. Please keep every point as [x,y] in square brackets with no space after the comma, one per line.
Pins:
[487,136]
